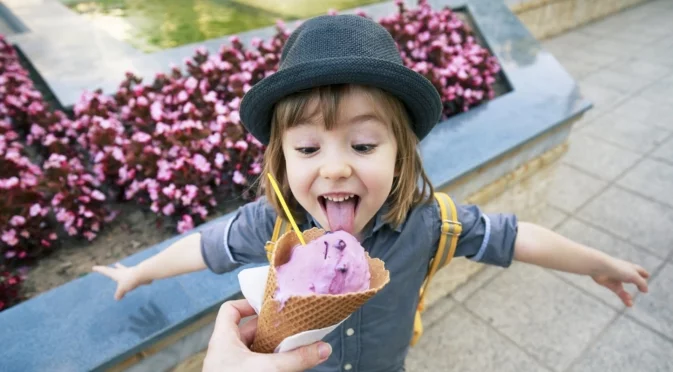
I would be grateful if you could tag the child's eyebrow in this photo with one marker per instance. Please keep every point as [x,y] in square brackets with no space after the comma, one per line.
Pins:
[361,118]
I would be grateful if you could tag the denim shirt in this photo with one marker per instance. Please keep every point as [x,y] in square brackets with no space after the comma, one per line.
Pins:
[376,337]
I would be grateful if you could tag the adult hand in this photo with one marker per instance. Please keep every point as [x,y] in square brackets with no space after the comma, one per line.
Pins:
[228,349]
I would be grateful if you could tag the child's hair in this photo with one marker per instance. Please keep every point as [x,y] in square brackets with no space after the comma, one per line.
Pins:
[411,186]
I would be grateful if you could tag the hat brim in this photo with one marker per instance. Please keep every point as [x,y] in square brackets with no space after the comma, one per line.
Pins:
[416,92]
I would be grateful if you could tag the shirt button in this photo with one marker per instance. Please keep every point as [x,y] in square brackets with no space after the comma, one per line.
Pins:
[350,332]
[348,367]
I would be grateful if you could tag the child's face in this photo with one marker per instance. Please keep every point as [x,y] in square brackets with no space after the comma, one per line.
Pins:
[356,157]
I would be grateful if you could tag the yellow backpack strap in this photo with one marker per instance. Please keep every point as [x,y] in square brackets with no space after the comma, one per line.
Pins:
[448,240]
[279,228]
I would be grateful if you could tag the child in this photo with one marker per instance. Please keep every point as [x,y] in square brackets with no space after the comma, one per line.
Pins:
[342,118]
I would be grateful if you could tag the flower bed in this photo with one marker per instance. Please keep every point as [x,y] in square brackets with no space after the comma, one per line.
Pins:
[176,144]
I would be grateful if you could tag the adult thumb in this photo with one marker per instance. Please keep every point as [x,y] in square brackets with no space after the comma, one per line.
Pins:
[303,358]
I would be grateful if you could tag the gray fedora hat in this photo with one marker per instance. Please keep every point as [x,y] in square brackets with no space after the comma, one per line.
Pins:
[341,49]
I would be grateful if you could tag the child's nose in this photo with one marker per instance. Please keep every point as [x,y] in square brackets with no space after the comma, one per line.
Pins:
[335,169]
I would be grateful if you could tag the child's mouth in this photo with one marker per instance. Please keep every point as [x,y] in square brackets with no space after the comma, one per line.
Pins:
[340,210]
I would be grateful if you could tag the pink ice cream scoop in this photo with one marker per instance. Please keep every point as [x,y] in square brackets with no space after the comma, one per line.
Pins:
[333,264]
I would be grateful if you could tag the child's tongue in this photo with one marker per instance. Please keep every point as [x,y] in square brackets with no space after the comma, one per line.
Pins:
[341,215]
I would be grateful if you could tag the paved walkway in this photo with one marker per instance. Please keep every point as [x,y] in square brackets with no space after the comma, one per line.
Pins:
[613,191]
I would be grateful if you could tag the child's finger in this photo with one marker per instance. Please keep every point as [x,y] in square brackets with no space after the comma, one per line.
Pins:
[642,272]
[105,270]
[626,298]
[119,293]
[640,282]
[622,294]
[119,266]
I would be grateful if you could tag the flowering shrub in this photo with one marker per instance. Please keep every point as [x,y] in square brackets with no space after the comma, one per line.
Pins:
[441,47]
[178,145]
[10,282]
[24,229]
[77,202]
[67,184]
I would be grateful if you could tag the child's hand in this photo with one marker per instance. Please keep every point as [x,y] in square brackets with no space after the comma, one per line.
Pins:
[127,278]
[619,272]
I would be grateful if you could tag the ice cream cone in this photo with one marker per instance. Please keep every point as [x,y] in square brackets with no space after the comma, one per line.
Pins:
[304,313]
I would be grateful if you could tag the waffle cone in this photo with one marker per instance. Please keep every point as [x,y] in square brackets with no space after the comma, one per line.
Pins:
[304,313]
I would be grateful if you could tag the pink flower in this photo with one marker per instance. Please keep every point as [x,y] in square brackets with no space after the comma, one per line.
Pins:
[241,145]
[56,200]
[98,195]
[156,110]
[17,221]
[141,137]
[169,190]
[235,117]
[185,224]
[210,97]
[191,84]
[9,237]
[201,163]
[238,178]
[37,131]
[190,193]
[9,183]
[219,160]
[35,209]
[168,209]
[183,96]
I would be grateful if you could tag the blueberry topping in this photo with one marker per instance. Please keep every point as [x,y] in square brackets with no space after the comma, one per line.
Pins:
[341,245]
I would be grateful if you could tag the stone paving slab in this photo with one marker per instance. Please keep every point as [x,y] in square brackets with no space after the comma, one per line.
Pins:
[602,98]
[634,218]
[572,188]
[664,152]
[602,159]
[640,68]
[463,342]
[628,347]
[656,309]
[646,112]
[651,178]
[545,316]
[627,133]
[614,246]
[551,217]
[476,282]
[618,80]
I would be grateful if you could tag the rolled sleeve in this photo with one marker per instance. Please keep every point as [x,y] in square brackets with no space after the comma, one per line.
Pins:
[486,238]
[239,240]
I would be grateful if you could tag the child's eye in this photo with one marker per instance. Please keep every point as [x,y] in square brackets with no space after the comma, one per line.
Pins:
[364,149]
[306,150]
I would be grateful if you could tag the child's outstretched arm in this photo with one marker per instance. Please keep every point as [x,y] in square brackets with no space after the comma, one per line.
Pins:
[539,246]
[183,256]
[220,247]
